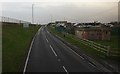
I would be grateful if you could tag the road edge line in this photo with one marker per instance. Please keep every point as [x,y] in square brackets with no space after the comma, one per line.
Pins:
[28,55]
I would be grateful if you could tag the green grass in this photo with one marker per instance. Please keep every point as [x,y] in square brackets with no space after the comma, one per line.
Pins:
[75,41]
[113,43]
[0,48]
[15,44]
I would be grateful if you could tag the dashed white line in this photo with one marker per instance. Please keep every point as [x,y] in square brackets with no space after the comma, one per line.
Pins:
[47,40]
[47,32]
[53,50]
[59,60]
[65,69]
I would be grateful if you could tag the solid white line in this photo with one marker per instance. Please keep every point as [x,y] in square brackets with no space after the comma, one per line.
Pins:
[76,53]
[39,31]
[65,69]
[53,50]
[81,57]
[28,55]
[91,64]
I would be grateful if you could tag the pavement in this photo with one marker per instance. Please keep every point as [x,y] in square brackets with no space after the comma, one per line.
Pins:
[48,53]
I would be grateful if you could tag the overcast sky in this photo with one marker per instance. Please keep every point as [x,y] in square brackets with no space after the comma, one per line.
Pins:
[45,12]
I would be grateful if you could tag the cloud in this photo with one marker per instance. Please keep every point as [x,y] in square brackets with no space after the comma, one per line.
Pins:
[59,0]
[71,11]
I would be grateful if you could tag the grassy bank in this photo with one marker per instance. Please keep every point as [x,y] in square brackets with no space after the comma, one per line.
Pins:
[15,44]
[75,41]
[113,43]
[0,47]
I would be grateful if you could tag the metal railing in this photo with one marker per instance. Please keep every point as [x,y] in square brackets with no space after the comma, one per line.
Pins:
[11,20]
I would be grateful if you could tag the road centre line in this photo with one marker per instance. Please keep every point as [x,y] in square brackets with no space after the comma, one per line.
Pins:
[65,69]
[47,40]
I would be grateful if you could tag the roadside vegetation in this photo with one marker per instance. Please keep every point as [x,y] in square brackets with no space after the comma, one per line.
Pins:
[113,43]
[15,44]
[90,51]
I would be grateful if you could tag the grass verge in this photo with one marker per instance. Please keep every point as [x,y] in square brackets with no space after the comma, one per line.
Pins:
[113,43]
[75,41]
[15,44]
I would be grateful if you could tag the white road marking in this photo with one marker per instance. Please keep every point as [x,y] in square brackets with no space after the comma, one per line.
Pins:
[91,64]
[76,53]
[65,69]
[47,40]
[28,55]
[80,56]
[53,50]
[59,60]
[39,31]
[109,64]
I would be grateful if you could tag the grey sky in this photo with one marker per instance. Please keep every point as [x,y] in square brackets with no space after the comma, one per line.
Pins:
[70,11]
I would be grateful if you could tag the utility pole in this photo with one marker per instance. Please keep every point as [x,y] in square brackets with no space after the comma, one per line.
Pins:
[51,18]
[32,13]
[64,18]
[119,11]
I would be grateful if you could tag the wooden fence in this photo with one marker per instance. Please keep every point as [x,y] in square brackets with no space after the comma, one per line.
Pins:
[107,50]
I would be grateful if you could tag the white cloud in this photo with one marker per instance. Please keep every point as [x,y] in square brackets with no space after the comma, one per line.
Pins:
[72,11]
[59,0]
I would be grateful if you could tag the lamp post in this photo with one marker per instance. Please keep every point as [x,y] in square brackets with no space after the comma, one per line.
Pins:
[32,13]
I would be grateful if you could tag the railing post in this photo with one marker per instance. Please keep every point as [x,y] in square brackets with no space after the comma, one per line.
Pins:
[108,50]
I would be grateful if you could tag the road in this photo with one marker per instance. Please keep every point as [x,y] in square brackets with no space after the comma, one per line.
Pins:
[49,54]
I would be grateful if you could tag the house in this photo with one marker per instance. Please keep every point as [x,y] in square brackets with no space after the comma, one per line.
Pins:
[93,33]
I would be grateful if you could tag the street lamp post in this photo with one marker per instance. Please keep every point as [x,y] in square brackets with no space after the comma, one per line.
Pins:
[32,13]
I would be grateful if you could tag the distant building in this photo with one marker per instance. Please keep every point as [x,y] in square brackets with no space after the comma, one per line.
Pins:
[93,33]
[52,23]
[61,23]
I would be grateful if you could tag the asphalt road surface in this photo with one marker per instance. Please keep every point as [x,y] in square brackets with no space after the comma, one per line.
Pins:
[49,54]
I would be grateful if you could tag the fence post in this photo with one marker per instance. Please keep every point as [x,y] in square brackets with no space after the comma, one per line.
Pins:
[108,50]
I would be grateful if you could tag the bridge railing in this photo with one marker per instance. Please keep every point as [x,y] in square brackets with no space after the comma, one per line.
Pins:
[11,20]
